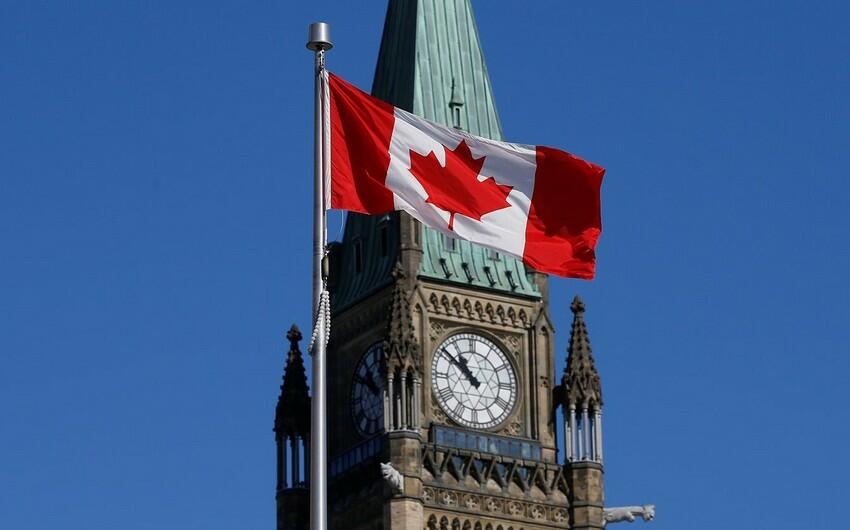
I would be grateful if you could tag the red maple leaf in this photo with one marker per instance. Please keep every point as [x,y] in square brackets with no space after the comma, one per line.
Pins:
[455,188]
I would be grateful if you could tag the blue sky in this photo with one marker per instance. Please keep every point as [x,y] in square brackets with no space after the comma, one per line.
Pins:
[155,162]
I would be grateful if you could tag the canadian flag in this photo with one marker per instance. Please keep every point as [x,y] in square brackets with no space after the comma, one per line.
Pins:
[537,203]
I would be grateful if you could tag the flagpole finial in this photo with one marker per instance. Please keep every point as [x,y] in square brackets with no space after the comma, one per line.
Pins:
[319,37]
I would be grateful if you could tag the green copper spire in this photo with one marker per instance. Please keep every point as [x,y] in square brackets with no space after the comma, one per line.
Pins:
[430,63]
[427,44]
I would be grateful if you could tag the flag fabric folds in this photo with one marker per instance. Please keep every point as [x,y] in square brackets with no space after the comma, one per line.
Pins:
[536,203]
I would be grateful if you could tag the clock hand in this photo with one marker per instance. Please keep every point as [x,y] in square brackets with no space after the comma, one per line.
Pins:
[472,379]
[368,382]
[463,365]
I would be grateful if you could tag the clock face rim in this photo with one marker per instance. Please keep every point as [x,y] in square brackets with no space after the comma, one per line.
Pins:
[356,385]
[510,368]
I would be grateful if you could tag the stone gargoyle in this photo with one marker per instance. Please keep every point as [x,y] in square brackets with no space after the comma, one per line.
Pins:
[393,477]
[628,513]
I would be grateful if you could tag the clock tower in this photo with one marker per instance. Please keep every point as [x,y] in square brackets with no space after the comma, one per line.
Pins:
[441,354]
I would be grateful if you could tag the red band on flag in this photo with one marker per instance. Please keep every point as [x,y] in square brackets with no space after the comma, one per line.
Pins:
[564,221]
[361,129]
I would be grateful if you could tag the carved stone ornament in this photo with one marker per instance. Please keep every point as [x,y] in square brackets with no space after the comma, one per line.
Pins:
[449,498]
[480,471]
[483,503]
[436,330]
[401,344]
[392,477]
[628,513]
[493,505]
[514,428]
[466,308]
[427,495]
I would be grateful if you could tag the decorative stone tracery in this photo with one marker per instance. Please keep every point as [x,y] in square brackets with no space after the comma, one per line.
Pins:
[493,507]
[489,506]
[453,522]
[468,308]
[403,362]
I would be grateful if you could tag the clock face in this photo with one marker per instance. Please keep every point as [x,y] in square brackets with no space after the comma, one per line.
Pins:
[473,381]
[367,392]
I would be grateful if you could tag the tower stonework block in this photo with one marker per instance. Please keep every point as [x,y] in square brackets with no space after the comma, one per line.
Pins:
[403,514]
[588,498]
[293,509]
[405,455]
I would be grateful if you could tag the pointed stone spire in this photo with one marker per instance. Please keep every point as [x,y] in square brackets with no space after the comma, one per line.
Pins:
[401,347]
[292,415]
[580,383]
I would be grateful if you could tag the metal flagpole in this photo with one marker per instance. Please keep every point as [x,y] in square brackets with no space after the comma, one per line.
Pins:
[319,42]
